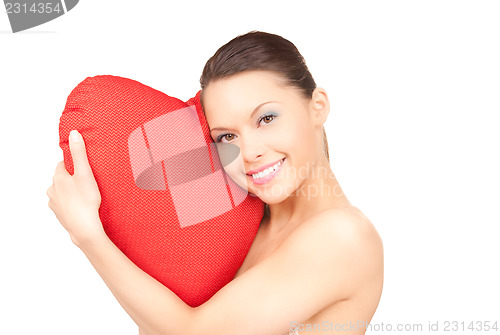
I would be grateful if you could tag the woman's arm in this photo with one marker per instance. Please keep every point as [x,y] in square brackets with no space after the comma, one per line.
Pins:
[325,260]
[344,251]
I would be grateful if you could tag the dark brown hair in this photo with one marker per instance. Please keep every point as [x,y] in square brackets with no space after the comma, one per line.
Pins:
[257,50]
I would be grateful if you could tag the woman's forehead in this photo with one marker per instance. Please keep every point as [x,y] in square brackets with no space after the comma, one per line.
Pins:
[244,92]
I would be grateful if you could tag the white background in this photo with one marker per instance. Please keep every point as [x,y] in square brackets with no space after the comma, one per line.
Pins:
[413,131]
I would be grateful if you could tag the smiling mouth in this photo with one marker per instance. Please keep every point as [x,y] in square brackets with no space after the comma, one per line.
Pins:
[268,171]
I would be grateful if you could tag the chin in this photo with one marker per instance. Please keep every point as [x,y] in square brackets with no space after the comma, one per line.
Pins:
[269,197]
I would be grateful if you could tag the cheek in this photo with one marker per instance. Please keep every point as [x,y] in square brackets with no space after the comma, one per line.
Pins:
[289,137]
[280,137]
[299,137]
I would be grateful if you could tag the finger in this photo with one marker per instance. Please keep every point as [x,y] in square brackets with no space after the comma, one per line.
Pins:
[78,153]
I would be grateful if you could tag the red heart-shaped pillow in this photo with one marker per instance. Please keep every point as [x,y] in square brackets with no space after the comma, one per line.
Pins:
[167,203]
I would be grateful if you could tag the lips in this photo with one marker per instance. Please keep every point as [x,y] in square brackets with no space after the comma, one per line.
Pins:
[262,168]
[267,178]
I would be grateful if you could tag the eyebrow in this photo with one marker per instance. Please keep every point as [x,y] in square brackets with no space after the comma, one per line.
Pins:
[251,116]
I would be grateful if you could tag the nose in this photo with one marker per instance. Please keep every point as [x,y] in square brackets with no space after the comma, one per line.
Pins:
[252,148]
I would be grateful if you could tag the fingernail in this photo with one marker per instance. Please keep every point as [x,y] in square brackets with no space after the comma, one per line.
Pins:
[74,136]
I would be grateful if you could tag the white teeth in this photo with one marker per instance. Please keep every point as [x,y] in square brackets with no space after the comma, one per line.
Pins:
[266,171]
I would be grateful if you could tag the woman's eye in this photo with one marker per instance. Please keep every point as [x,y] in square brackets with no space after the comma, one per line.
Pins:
[268,118]
[225,136]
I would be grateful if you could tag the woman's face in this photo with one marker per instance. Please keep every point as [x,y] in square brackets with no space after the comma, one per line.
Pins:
[272,125]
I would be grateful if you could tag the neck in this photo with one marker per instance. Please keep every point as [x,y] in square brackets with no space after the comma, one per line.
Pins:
[319,191]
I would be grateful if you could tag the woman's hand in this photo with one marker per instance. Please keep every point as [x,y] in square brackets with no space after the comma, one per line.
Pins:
[75,200]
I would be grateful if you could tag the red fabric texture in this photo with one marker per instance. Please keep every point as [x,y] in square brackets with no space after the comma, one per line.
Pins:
[183,221]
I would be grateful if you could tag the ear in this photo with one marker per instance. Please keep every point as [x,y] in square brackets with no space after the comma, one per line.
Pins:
[320,106]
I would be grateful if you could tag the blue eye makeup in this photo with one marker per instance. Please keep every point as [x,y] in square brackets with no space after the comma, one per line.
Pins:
[274,115]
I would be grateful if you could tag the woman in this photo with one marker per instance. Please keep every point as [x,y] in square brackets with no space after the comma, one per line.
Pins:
[316,264]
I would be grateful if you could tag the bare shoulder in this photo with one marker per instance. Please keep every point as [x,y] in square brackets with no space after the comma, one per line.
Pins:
[347,225]
[342,239]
